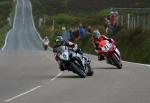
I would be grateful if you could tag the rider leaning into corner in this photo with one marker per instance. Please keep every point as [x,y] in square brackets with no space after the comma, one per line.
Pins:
[46,40]
[59,41]
[97,38]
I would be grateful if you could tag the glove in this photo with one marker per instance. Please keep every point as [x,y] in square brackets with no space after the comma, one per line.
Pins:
[111,40]
[96,50]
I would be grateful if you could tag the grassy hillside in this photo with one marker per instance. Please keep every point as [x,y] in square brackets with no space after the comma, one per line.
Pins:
[133,43]
[52,7]
[5,10]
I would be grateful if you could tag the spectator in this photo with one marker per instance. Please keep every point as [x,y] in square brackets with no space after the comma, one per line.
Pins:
[114,17]
[89,29]
[108,26]
[75,35]
[82,32]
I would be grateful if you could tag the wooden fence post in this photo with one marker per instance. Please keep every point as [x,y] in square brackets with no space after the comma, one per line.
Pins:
[128,21]
[134,22]
[138,21]
[148,21]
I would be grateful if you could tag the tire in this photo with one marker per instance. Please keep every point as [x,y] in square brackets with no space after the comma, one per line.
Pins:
[76,69]
[45,47]
[62,68]
[90,71]
[117,62]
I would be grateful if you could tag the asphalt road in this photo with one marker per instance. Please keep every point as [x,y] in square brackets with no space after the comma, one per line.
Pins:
[30,75]
[23,35]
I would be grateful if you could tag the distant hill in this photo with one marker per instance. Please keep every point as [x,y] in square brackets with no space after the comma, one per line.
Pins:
[5,9]
[52,7]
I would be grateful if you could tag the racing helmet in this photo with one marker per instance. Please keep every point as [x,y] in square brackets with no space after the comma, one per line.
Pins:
[46,38]
[59,40]
[96,34]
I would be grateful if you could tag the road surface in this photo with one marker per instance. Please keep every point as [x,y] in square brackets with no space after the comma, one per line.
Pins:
[30,75]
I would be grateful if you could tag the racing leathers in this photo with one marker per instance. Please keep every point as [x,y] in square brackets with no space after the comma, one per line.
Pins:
[96,43]
[68,44]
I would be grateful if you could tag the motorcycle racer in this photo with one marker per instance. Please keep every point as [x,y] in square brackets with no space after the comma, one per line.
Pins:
[97,38]
[60,41]
[45,42]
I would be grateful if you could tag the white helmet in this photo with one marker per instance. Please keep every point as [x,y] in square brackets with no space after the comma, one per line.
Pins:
[96,34]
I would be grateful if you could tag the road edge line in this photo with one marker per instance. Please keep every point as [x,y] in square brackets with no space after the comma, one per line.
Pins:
[35,27]
[5,41]
[148,65]
[34,24]
[138,63]
[10,29]
[31,90]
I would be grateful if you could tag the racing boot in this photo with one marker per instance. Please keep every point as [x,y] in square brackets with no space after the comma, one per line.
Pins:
[101,58]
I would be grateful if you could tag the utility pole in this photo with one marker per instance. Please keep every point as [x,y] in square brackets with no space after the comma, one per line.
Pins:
[128,21]
[148,21]
[138,20]
[134,22]
[144,22]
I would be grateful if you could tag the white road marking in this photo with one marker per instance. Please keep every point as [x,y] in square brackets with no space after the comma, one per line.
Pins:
[5,41]
[56,76]
[138,63]
[15,15]
[10,30]
[34,24]
[8,100]
[23,11]
[148,65]
[31,90]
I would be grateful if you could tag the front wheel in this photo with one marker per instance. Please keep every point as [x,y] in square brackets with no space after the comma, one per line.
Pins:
[90,71]
[77,69]
[117,61]
[45,47]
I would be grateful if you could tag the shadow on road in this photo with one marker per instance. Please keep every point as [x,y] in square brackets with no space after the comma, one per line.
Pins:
[69,76]
[105,68]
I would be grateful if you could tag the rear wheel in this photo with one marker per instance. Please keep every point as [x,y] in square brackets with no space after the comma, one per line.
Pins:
[77,69]
[45,47]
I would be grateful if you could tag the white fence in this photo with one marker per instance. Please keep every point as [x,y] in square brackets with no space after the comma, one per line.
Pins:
[133,17]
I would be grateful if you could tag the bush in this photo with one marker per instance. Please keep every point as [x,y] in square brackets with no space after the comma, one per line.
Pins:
[134,44]
[3,32]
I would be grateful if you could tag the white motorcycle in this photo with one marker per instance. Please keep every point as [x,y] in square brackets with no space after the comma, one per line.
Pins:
[69,60]
[45,44]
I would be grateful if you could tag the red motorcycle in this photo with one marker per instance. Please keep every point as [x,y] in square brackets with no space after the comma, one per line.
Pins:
[110,53]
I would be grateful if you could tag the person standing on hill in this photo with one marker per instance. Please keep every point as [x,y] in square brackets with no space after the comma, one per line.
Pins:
[81,31]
